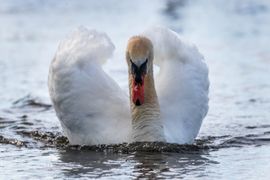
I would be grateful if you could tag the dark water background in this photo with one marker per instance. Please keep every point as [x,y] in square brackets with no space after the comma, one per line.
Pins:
[234,141]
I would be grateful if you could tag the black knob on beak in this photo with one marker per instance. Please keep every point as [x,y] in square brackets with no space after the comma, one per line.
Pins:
[138,72]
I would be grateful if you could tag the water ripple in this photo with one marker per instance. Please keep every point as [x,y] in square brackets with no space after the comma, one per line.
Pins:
[50,139]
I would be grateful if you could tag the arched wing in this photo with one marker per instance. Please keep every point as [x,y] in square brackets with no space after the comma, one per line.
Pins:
[182,85]
[90,105]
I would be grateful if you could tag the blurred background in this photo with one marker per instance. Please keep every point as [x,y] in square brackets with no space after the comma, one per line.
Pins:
[233,36]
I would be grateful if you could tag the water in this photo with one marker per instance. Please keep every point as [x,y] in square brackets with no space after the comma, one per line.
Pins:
[234,141]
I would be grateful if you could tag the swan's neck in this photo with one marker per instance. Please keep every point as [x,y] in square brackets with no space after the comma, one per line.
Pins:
[146,123]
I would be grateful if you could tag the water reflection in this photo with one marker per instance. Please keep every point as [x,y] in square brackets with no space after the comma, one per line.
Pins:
[88,163]
[170,165]
[137,165]
[149,165]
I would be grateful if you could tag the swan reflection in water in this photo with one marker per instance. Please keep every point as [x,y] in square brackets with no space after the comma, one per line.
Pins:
[135,165]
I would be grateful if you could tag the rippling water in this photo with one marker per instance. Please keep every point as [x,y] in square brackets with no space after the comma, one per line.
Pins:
[234,141]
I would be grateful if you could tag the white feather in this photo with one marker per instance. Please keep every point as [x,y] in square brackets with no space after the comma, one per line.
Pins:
[91,107]
[182,85]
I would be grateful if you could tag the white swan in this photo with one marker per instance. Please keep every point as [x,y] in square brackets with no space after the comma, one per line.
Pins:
[93,109]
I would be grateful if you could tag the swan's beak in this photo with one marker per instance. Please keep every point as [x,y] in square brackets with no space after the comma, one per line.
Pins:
[138,90]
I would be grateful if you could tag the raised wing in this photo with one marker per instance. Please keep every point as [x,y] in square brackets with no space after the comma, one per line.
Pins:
[90,105]
[182,85]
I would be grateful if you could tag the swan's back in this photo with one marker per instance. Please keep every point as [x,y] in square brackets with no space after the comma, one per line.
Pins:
[91,107]
[182,85]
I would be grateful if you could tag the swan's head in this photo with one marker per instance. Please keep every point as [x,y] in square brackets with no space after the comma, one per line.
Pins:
[139,56]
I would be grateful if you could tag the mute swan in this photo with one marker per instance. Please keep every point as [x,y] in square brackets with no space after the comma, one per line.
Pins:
[93,109]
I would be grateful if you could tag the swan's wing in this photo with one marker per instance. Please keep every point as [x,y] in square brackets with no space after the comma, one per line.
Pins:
[90,105]
[182,85]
